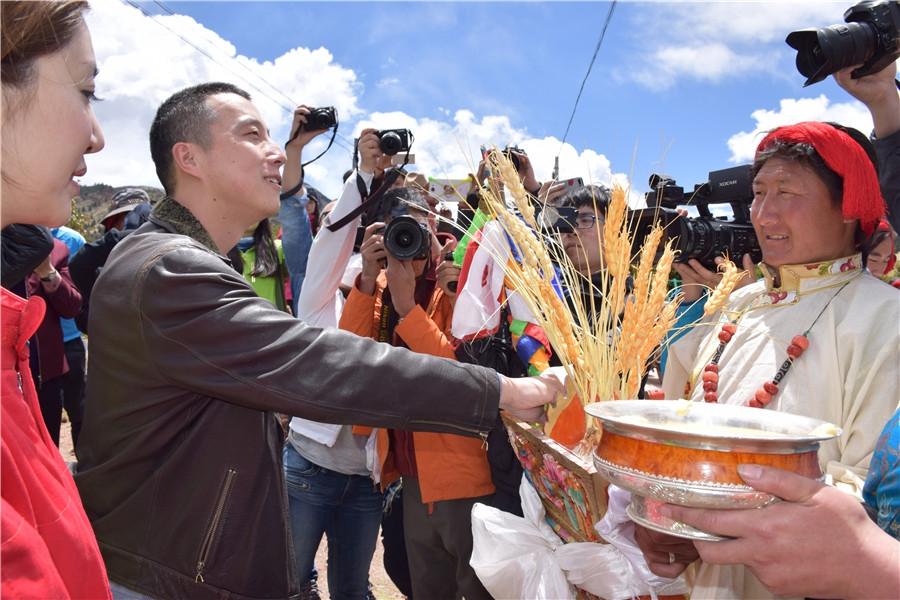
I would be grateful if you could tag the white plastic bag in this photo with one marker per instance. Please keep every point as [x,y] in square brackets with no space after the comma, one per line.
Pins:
[617,528]
[518,557]
[514,556]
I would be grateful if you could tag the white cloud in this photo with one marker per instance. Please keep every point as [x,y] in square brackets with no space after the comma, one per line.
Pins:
[451,150]
[852,114]
[141,64]
[706,62]
[713,41]
[387,82]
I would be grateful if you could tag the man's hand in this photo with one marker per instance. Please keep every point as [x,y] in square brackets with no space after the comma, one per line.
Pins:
[293,149]
[879,93]
[695,278]
[526,397]
[300,139]
[45,268]
[666,555]
[550,192]
[369,152]
[401,281]
[818,543]
[526,172]
[373,257]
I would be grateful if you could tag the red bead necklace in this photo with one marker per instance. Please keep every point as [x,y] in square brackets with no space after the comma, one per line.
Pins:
[765,394]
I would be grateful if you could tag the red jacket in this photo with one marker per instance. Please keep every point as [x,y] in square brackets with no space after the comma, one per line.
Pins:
[449,466]
[64,301]
[47,546]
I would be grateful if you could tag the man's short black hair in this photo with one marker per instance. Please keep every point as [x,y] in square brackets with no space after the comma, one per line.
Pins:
[593,196]
[183,117]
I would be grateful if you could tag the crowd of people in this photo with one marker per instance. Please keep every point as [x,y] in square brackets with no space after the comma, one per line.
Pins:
[250,388]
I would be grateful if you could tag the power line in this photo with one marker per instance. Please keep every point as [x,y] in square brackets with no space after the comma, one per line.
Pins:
[609,15]
[339,139]
[240,64]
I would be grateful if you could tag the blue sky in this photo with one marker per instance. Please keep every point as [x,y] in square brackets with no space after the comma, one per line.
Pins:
[673,82]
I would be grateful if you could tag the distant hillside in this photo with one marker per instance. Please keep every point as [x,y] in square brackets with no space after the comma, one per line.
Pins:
[95,201]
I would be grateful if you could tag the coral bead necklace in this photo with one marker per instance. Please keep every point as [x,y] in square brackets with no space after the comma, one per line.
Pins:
[765,394]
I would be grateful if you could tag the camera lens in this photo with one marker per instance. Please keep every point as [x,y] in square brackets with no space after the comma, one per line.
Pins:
[390,143]
[405,239]
[821,52]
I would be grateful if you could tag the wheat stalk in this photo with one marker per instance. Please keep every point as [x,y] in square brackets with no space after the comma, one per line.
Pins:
[730,276]
[603,360]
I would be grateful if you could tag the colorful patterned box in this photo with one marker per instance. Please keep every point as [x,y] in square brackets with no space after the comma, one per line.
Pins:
[573,494]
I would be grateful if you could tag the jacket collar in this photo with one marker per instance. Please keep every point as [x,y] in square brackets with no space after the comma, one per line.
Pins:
[799,278]
[174,217]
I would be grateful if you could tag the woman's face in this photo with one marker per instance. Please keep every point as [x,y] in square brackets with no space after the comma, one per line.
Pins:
[795,219]
[48,127]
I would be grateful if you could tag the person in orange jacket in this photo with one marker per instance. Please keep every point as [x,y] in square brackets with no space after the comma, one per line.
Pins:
[408,303]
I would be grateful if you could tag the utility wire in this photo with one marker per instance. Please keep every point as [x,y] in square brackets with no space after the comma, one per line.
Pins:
[240,64]
[609,15]
[340,140]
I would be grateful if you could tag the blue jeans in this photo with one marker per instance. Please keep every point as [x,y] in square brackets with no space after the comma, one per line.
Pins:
[296,240]
[120,592]
[346,508]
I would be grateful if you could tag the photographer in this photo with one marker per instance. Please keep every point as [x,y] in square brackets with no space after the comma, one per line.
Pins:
[584,243]
[296,233]
[879,93]
[810,338]
[407,304]
[330,485]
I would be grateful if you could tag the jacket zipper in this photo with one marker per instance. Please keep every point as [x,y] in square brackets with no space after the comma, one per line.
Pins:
[482,434]
[209,538]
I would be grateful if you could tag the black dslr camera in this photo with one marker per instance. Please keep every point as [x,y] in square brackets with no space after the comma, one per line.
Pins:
[394,141]
[556,219]
[705,237]
[321,118]
[407,239]
[869,37]
[511,152]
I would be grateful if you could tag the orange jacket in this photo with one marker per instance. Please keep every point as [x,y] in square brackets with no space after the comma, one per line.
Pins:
[449,466]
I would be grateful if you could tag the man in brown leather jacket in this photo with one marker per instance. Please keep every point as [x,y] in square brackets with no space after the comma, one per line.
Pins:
[180,454]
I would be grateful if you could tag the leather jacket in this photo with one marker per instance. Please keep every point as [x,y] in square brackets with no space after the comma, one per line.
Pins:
[180,455]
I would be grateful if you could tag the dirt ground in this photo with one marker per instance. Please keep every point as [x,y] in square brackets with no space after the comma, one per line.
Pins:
[381,583]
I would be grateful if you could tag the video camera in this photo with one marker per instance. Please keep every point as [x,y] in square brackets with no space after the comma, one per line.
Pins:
[869,37]
[705,237]
[324,117]
[394,141]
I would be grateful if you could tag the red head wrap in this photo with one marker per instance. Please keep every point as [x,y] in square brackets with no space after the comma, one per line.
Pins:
[843,155]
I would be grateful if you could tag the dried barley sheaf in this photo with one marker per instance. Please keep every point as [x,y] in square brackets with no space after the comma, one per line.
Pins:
[606,346]
[730,277]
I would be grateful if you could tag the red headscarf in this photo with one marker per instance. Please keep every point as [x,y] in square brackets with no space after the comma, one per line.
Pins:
[843,155]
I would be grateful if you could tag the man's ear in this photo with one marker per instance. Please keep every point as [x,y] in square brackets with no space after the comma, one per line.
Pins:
[186,157]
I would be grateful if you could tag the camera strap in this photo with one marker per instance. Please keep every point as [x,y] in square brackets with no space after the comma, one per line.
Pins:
[299,185]
[372,200]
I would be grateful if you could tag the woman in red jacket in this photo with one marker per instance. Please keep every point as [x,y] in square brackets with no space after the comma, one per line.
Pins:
[48,68]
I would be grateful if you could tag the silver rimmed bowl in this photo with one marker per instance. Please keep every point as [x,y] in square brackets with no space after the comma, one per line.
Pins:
[687,453]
